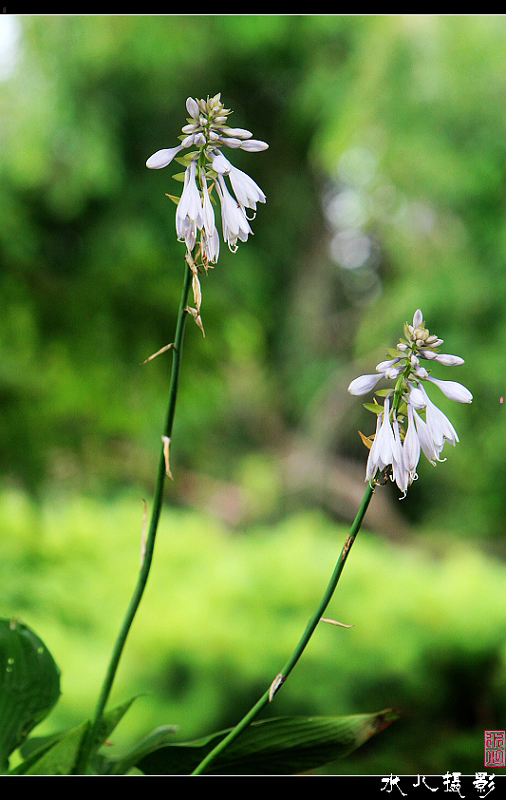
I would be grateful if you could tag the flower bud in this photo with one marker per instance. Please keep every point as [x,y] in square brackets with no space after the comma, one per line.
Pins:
[364,384]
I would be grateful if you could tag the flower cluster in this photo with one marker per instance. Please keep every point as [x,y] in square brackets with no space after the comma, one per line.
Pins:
[205,168]
[409,423]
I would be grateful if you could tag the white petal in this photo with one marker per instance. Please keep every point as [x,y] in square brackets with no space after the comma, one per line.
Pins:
[238,133]
[192,108]
[448,360]
[221,164]
[372,464]
[453,390]
[363,384]
[248,193]
[231,142]
[417,319]
[234,222]
[254,145]
[411,447]
[417,398]
[430,451]
[162,157]
[383,366]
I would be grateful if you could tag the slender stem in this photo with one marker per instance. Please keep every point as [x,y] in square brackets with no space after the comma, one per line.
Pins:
[312,624]
[89,740]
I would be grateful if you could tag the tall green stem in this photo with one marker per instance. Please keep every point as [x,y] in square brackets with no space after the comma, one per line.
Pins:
[292,661]
[90,739]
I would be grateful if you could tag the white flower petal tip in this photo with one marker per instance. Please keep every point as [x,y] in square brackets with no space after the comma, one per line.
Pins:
[363,384]
[162,158]
[253,145]
[192,108]
[453,390]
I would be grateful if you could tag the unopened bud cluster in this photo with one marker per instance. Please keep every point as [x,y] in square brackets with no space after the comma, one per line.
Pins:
[409,423]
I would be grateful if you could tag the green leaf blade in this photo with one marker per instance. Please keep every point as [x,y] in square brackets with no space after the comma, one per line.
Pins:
[29,684]
[280,746]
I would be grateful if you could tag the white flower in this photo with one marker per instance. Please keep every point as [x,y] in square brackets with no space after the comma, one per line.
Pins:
[247,192]
[207,130]
[386,450]
[441,358]
[192,108]
[427,444]
[401,436]
[253,145]
[162,158]
[439,425]
[234,222]
[210,238]
[400,472]
[364,384]
[189,214]
[453,390]
[411,446]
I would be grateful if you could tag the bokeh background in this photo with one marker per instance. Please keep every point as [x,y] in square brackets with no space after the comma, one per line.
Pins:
[386,192]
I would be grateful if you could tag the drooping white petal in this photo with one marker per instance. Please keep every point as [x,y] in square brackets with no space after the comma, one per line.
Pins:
[387,444]
[440,427]
[220,163]
[211,240]
[400,472]
[453,390]
[234,223]
[411,446]
[429,448]
[189,214]
[372,460]
[417,398]
[245,189]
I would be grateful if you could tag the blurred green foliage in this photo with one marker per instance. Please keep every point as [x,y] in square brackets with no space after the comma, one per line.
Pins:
[385,182]
[222,611]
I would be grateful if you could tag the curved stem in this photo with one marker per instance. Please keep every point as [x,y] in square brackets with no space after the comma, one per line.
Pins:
[90,739]
[292,661]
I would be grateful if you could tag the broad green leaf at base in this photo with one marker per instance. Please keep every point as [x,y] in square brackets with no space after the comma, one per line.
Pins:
[29,685]
[279,746]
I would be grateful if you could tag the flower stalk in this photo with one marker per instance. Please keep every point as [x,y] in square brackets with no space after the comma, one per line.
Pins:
[90,742]
[207,131]
[302,644]
[401,434]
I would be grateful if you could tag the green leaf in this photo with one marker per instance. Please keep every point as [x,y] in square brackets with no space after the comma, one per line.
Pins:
[152,742]
[56,755]
[279,746]
[187,158]
[374,407]
[29,685]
